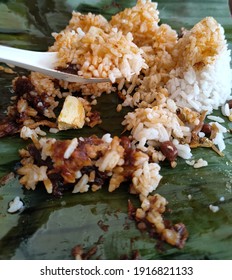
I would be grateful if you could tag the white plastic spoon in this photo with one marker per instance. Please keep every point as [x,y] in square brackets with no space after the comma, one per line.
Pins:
[42,62]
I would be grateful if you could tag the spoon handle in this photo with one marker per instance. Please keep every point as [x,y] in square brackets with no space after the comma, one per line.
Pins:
[30,60]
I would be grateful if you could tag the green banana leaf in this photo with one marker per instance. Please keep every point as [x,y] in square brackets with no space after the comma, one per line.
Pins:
[48,227]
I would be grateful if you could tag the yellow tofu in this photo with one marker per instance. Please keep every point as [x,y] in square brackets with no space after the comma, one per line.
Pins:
[72,114]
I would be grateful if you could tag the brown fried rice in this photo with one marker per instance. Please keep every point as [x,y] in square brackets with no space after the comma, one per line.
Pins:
[170,83]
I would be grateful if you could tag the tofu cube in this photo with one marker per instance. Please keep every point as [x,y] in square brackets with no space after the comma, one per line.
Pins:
[72,115]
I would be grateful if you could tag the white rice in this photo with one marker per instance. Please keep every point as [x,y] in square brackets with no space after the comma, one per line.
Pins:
[158,124]
[219,139]
[200,163]
[207,86]
[216,119]
[226,111]
[15,205]
[184,151]
[197,163]
[54,130]
[214,208]
[107,138]
[68,152]
[206,90]
[82,185]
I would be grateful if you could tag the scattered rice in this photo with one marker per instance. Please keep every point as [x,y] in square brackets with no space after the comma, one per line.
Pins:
[222,199]
[200,163]
[31,175]
[190,162]
[54,130]
[219,137]
[107,155]
[152,126]
[7,70]
[15,205]
[197,163]
[214,208]
[226,111]
[216,119]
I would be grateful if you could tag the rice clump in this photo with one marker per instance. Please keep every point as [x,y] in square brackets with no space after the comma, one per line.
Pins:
[202,77]
[96,53]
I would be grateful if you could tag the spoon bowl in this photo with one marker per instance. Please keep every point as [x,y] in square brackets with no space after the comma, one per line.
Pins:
[42,62]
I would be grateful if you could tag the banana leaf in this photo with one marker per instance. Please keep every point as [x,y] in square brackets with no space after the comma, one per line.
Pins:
[48,227]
